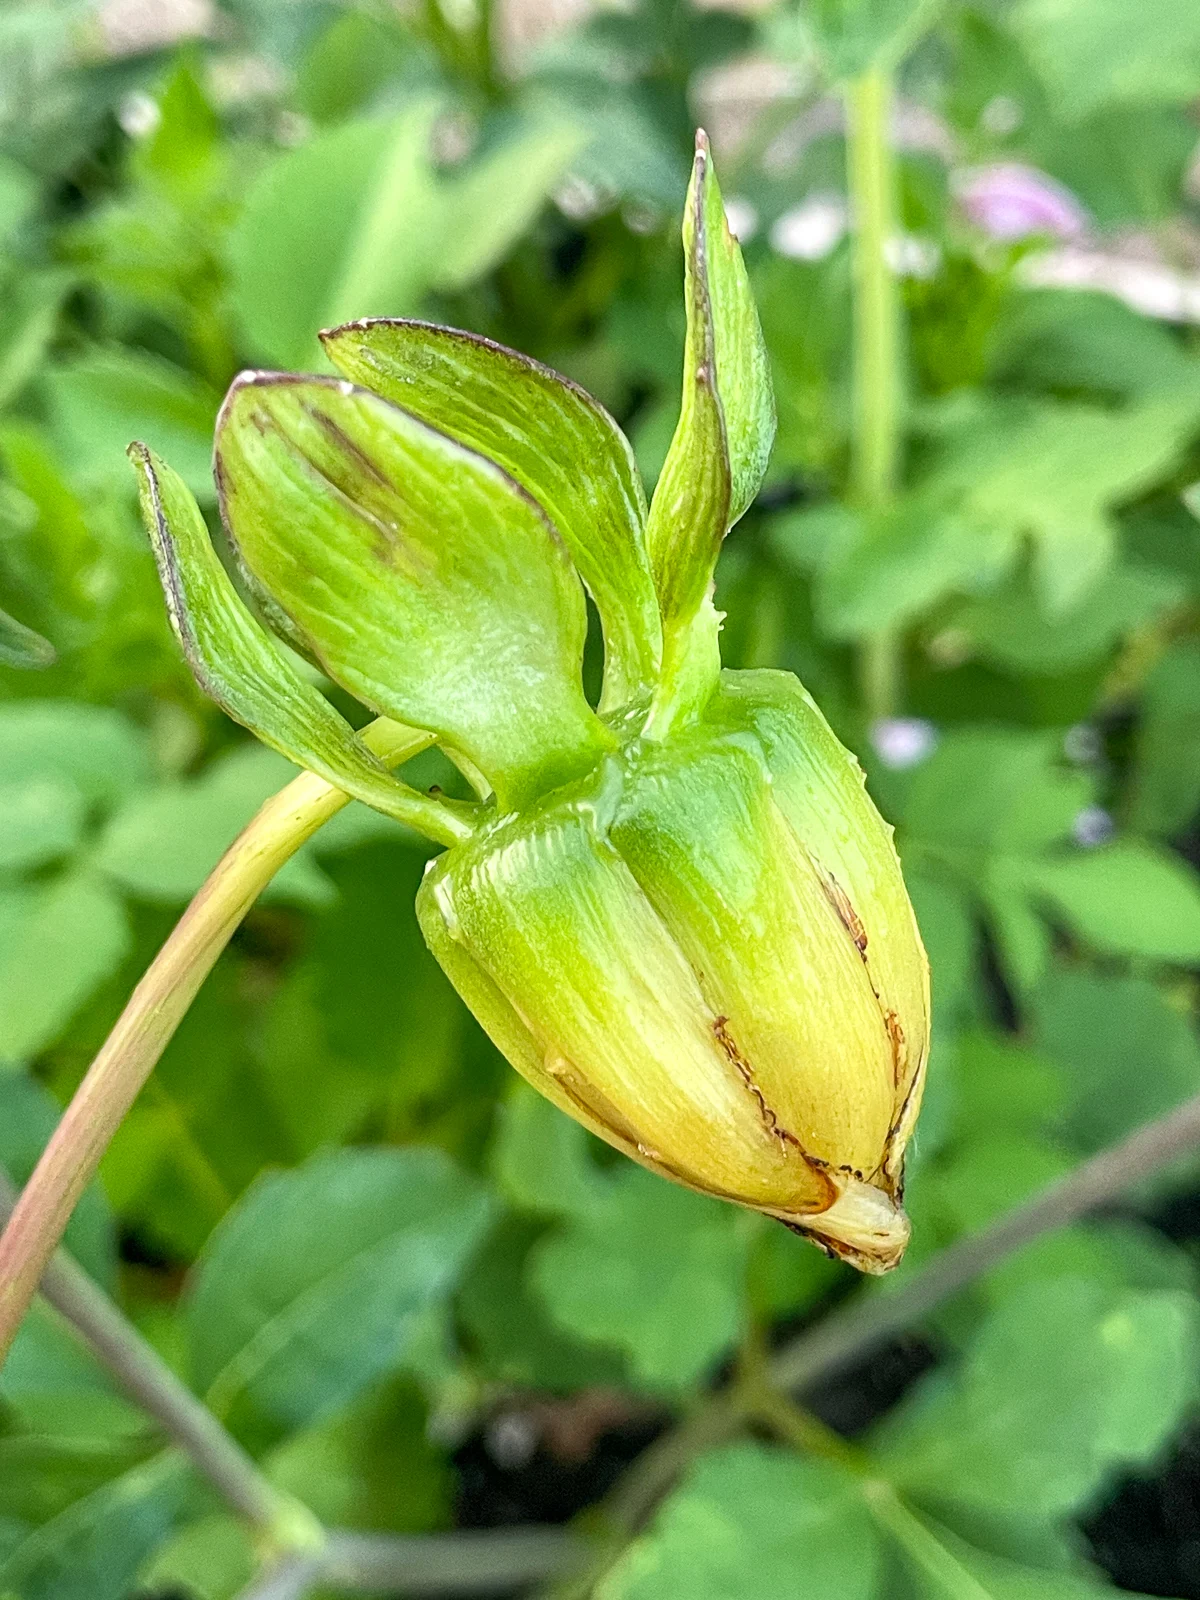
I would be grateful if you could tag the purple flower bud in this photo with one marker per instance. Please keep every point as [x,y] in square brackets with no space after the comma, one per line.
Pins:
[1012,201]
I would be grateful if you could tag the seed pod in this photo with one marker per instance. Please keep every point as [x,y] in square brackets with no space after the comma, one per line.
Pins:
[677,913]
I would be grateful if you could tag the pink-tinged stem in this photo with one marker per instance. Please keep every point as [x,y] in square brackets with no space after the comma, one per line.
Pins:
[155,1010]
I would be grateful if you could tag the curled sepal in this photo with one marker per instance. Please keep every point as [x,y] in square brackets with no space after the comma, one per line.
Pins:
[240,667]
[554,439]
[421,576]
[719,453]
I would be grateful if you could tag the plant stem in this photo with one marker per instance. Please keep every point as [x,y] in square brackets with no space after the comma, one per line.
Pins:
[147,1379]
[154,1011]
[854,1330]
[876,442]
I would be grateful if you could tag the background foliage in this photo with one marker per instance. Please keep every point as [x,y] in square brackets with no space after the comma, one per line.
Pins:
[418,1296]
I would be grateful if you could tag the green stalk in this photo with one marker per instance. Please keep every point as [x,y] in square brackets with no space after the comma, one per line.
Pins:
[155,1009]
[875,458]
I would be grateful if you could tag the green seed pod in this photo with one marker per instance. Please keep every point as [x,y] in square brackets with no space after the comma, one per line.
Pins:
[677,913]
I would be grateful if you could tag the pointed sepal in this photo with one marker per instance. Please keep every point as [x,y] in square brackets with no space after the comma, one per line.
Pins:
[556,442]
[239,666]
[423,578]
[718,456]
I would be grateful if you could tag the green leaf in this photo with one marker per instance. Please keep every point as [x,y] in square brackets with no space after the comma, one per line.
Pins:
[95,1548]
[21,646]
[105,399]
[1166,776]
[210,1559]
[244,671]
[652,1270]
[164,842]
[852,35]
[72,936]
[314,1283]
[1095,1027]
[1065,1385]
[719,454]
[541,1158]
[749,1523]
[1088,56]
[1128,898]
[29,312]
[43,820]
[57,1387]
[945,1567]
[423,578]
[994,790]
[554,439]
[91,748]
[356,223]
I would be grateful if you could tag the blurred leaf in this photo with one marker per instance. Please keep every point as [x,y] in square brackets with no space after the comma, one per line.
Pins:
[1127,898]
[356,223]
[163,843]
[748,1523]
[90,748]
[1166,777]
[21,647]
[55,1385]
[314,1282]
[95,1548]
[211,1559]
[1088,56]
[1065,1385]
[1095,1027]
[541,1158]
[371,1467]
[102,401]
[852,35]
[652,1270]
[510,1333]
[29,312]
[997,789]
[72,936]
[43,820]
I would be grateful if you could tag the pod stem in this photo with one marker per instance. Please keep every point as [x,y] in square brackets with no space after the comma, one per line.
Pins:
[154,1011]
[875,447]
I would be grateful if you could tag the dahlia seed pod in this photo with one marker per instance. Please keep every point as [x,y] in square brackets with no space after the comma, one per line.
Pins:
[677,913]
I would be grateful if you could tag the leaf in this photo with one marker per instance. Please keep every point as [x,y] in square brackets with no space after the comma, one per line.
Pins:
[29,314]
[1088,56]
[541,1158]
[312,1285]
[554,439]
[1095,1027]
[163,843]
[1166,776]
[423,578]
[54,1385]
[243,670]
[95,1548]
[43,820]
[73,936]
[719,454]
[210,1559]
[1128,898]
[994,790]
[91,748]
[750,1523]
[1065,1385]
[943,1565]
[652,1270]
[852,35]
[21,647]
[103,400]
[356,223]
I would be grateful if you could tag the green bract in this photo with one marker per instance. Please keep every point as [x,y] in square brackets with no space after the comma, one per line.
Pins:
[678,913]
